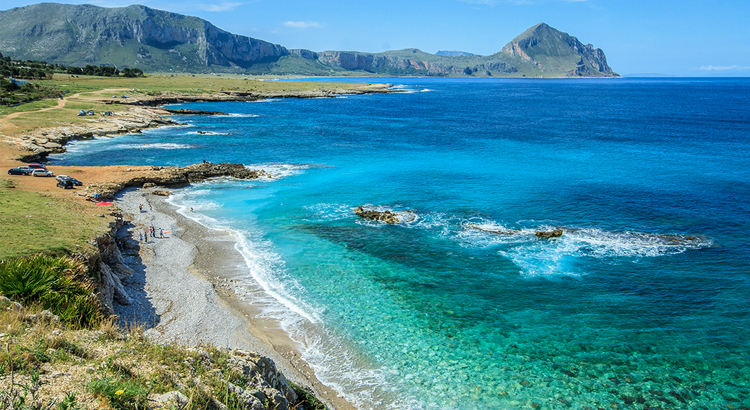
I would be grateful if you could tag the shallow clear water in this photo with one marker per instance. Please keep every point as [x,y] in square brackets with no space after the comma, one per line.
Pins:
[643,301]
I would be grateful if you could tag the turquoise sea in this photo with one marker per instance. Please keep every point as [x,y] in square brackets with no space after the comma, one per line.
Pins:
[644,302]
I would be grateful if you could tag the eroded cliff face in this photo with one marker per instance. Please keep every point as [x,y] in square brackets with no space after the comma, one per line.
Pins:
[126,37]
[419,64]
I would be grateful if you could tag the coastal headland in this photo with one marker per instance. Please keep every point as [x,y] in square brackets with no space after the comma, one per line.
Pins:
[177,286]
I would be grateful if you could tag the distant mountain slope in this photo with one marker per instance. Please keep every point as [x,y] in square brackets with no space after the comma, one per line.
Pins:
[554,51]
[134,36]
[453,53]
[154,40]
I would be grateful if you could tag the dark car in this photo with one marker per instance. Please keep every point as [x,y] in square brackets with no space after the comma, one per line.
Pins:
[68,178]
[65,184]
[18,171]
[37,166]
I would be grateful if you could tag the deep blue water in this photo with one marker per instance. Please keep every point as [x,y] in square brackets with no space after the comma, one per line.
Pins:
[642,302]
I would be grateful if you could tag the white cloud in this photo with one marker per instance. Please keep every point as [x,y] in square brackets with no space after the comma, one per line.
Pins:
[225,6]
[723,68]
[302,24]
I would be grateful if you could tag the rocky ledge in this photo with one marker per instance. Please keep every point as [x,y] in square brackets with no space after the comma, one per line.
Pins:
[41,142]
[170,176]
[168,97]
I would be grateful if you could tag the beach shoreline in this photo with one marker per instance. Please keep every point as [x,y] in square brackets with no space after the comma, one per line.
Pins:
[181,290]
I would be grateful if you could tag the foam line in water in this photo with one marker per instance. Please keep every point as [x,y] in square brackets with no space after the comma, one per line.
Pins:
[279,171]
[165,145]
[329,354]
[240,115]
[264,265]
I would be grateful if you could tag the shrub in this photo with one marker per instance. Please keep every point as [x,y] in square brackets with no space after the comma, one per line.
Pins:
[121,394]
[57,284]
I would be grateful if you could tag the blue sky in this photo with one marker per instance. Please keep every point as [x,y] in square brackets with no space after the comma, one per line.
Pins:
[675,37]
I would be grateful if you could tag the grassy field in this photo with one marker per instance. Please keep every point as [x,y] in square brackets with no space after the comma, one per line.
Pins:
[179,83]
[32,223]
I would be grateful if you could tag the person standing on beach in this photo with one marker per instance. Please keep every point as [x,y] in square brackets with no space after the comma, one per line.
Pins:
[145,237]
[140,207]
[150,208]
[140,237]
[161,233]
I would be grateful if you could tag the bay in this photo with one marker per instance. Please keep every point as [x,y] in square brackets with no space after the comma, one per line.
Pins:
[644,299]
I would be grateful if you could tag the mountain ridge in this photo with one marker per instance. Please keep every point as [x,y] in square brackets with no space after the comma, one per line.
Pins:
[154,40]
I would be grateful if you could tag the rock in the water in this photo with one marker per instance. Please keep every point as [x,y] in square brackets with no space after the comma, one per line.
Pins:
[161,193]
[385,216]
[552,234]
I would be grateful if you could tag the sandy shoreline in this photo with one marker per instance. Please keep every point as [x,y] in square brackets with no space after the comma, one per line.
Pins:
[181,290]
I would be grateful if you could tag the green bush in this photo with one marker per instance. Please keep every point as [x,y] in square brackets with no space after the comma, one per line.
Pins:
[121,394]
[54,283]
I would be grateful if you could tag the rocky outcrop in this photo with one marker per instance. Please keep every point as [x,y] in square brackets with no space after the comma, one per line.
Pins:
[41,142]
[171,176]
[384,216]
[549,234]
[265,383]
[107,267]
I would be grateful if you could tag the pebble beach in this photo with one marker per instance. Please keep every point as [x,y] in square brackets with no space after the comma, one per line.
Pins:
[181,289]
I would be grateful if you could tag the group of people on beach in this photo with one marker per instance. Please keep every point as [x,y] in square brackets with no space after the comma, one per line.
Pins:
[150,208]
[150,232]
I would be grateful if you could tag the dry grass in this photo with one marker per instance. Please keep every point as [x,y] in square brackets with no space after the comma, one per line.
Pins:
[108,368]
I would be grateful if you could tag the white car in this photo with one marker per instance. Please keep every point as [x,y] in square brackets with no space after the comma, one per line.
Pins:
[42,173]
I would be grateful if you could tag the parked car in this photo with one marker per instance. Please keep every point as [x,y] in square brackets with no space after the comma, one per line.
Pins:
[65,184]
[42,173]
[75,181]
[28,170]
[37,166]
[18,171]
[68,178]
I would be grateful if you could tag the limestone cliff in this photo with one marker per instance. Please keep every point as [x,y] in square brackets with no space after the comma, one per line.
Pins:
[133,36]
[552,51]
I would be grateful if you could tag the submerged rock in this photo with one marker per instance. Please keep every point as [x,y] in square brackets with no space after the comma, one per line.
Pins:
[495,231]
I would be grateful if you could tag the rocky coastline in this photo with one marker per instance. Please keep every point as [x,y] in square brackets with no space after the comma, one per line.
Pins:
[37,144]
[145,111]
[227,96]
[109,260]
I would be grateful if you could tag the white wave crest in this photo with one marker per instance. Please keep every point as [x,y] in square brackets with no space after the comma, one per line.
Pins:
[554,256]
[165,145]
[244,115]
[279,171]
